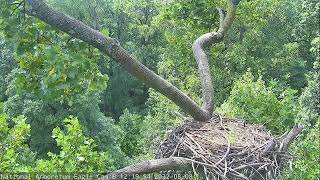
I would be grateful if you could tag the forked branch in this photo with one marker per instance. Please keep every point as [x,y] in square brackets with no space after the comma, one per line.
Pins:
[110,46]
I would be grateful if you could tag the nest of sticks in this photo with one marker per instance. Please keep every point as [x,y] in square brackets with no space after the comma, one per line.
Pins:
[225,148]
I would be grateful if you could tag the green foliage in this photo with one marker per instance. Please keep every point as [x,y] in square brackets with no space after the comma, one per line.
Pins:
[44,116]
[124,91]
[162,117]
[59,75]
[51,64]
[55,76]
[261,39]
[306,149]
[77,152]
[306,164]
[1,107]
[130,124]
[12,146]
[130,22]
[7,63]
[252,100]
[46,75]
[310,99]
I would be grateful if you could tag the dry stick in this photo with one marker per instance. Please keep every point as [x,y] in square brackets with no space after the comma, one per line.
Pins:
[175,149]
[179,139]
[225,169]
[268,146]
[247,165]
[194,169]
[205,172]
[239,174]
[244,151]
[187,134]
[225,155]
[257,171]
[204,164]
[205,159]
[200,155]
[229,145]
[275,159]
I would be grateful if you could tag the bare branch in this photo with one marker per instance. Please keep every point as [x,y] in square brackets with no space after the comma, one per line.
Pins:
[290,136]
[222,17]
[110,46]
[205,41]
[150,166]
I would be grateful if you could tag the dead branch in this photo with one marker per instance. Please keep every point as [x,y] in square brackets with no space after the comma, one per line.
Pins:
[150,166]
[290,136]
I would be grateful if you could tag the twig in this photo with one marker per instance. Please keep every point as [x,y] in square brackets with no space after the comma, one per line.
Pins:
[225,155]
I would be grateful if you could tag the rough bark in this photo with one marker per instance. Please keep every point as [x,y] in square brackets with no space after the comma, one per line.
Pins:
[290,136]
[198,48]
[110,46]
[150,166]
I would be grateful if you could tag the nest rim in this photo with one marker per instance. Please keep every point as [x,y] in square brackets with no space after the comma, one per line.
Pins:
[242,151]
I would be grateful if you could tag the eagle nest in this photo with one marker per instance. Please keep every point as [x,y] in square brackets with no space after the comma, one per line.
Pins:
[225,148]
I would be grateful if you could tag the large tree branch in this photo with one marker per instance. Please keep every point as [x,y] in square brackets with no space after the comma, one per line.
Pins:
[110,46]
[289,137]
[198,48]
[150,166]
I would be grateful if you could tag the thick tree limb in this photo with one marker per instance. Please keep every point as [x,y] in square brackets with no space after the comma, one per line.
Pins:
[150,166]
[205,41]
[290,136]
[110,46]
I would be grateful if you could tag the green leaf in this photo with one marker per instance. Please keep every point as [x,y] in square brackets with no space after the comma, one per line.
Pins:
[105,32]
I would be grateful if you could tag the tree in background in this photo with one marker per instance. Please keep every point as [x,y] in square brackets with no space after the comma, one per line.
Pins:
[141,38]
[76,152]
[7,63]
[306,164]
[14,154]
[253,101]
[51,78]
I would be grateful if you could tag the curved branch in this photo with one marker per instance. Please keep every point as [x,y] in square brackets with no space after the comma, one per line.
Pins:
[110,46]
[150,166]
[205,41]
